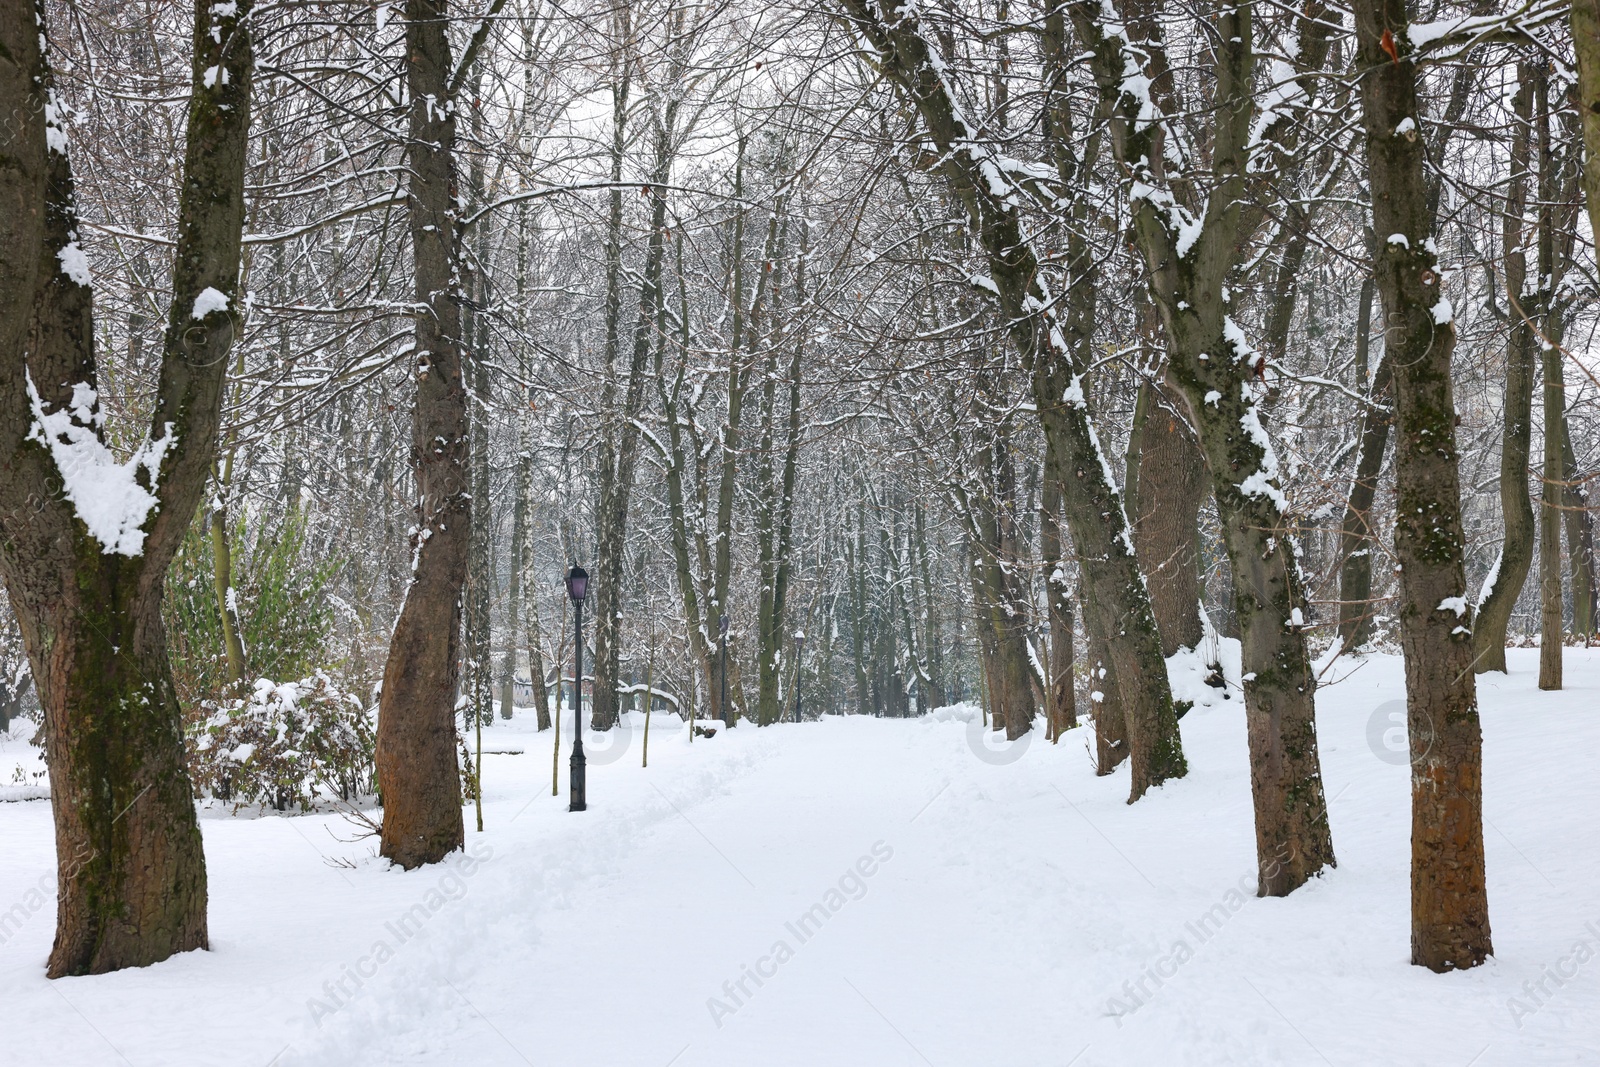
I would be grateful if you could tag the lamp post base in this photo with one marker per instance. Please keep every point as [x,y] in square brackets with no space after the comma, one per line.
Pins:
[579,770]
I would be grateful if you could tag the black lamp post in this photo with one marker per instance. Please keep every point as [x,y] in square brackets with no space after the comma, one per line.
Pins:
[799,666]
[727,716]
[577,587]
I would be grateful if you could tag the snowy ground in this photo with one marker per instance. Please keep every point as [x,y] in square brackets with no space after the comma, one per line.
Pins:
[1014,907]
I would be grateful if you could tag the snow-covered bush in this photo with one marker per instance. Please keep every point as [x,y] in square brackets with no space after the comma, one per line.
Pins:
[289,743]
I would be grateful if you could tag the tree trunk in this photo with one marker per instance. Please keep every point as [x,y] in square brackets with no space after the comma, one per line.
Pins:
[222,576]
[1552,631]
[1586,44]
[616,485]
[1061,714]
[1000,597]
[1164,504]
[1510,570]
[1221,378]
[1449,899]
[522,475]
[1110,724]
[418,774]
[1580,544]
[1113,587]
[131,872]
[775,508]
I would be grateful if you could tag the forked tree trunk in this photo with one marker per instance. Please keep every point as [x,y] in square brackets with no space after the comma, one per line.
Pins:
[131,872]
[1449,898]
[1510,569]
[418,773]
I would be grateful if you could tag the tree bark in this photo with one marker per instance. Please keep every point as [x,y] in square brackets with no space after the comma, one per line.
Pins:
[1000,596]
[1165,506]
[1586,44]
[775,507]
[131,872]
[1110,724]
[418,773]
[1580,545]
[1552,631]
[1449,898]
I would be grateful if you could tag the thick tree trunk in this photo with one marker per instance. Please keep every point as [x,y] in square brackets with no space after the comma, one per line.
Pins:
[1510,569]
[1000,597]
[131,872]
[1449,899]
[418,773]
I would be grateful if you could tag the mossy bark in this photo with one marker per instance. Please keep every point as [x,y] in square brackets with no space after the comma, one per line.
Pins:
[131,871]
[1449,898]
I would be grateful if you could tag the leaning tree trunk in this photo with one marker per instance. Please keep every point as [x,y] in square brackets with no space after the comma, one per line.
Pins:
[86,581]
[418,773]
[1503,587]
[1112,586]
[1449,898]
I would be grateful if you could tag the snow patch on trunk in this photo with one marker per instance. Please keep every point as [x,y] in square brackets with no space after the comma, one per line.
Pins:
[105,494]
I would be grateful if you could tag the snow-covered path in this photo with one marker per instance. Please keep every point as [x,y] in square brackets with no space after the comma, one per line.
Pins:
[968,907]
